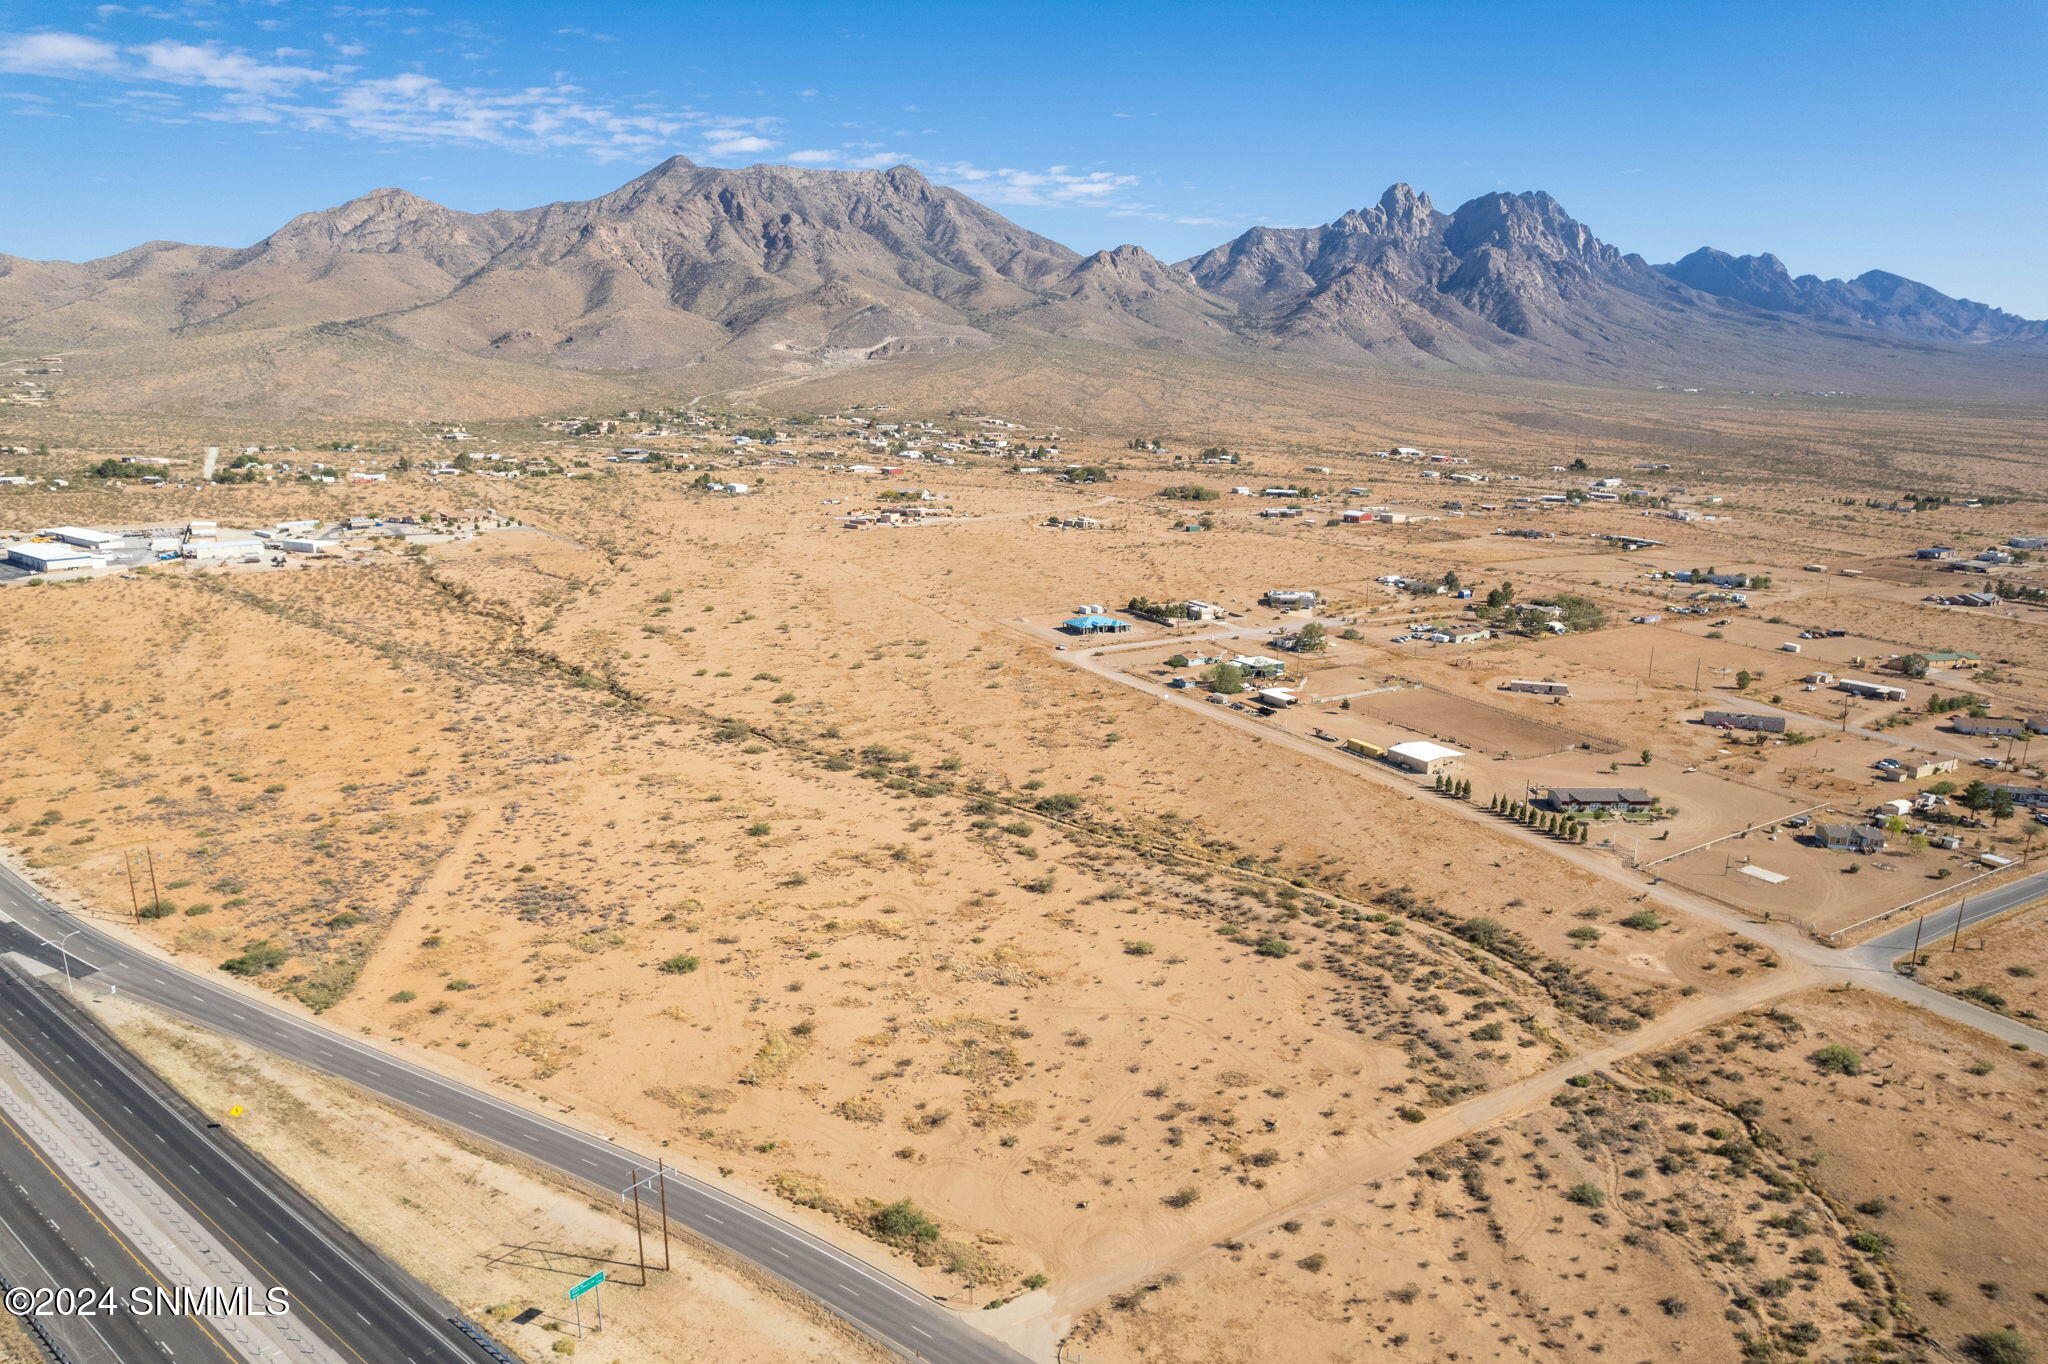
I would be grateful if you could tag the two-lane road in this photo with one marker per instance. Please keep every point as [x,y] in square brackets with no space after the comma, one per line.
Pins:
[1970,910]
[882,1307]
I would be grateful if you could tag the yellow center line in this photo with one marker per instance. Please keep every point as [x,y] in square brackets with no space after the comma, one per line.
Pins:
[116,1237]
[250,1256]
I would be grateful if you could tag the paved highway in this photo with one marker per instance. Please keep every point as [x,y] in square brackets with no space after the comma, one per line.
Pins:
[882,1307]
[1970,910]
[51,1238]
[342,1290]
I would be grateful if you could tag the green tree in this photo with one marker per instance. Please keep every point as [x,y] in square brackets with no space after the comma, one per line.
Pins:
[1312,639]
[1227,678]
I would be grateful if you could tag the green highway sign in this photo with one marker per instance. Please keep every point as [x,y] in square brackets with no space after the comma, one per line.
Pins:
[594,1281]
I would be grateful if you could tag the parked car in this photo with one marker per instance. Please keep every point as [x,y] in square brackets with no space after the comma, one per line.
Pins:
[1886,764]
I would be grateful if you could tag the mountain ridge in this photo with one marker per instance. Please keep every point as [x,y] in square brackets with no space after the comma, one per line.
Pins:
[768,269]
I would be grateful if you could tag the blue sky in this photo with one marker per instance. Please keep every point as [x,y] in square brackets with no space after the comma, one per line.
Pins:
[1844,137]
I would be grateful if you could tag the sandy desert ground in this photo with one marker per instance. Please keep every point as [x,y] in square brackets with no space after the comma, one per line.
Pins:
[802,850]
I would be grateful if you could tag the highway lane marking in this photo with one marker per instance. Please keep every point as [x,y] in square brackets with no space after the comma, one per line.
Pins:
[112,1235]
[386,1072]
[231,1167]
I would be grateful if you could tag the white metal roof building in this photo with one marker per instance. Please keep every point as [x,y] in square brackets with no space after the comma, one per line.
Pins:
[1420,755]
[52,558]
[84,539]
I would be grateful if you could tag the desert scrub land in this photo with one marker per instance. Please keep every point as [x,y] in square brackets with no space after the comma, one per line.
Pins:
[846,968]
[492,1238]
[1923,1135]
[1624,1220]
[801,850]
[2000,967]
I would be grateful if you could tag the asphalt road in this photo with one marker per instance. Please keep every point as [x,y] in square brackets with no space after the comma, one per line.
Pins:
[1971,909]
[50,1237]
[882,1307]
[340,1289]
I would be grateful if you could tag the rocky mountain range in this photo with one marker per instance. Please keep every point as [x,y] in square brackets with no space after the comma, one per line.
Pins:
[390,300]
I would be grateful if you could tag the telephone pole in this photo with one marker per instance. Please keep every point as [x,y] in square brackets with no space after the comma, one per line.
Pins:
[128,865]
[639,1236]
[661,1183]
[156,898]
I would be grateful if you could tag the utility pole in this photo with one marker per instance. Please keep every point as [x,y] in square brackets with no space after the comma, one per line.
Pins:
[156,898]
[1918,924]
[1956,938]
[128,865]
[661,1182]
[639,1236]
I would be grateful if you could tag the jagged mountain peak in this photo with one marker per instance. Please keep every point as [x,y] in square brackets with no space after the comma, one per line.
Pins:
[769,266]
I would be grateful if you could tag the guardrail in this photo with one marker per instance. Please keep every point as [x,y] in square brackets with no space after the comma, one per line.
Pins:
[35,1328]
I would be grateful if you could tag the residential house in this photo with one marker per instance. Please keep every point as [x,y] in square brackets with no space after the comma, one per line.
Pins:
[1989,728]
[1095,625]
[1856,838]
[1573,800]
[1742,719]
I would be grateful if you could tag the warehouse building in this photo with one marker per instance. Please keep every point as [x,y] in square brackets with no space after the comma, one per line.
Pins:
[53,558]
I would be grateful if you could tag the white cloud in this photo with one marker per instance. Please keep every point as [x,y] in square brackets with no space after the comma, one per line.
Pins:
[733,142]
[1055,185]
[187,63]
[406,108]
[224,85]
[57,54]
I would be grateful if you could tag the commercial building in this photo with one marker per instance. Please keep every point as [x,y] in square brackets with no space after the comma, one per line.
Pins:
[52,558]
[210,551]
[94,540]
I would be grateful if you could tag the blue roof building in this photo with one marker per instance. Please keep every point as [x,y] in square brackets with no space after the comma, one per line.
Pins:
[1096,625]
